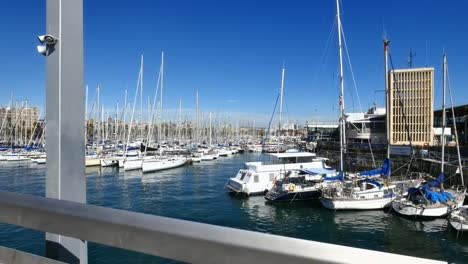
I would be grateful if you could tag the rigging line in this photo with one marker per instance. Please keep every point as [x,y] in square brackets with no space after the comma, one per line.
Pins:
[325,52]
[454,125]
[351,68]
[400,101]
[151,115]
[269,124]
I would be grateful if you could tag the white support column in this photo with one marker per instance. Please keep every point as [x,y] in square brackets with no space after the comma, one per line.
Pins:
[65,147]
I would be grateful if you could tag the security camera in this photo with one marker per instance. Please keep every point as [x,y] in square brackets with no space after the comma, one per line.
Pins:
[47,39]
[42,49]
[47,44]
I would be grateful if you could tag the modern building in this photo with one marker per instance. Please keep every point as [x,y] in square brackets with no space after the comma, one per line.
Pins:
[411,103]
[324,131]
[461,121]
[366,127]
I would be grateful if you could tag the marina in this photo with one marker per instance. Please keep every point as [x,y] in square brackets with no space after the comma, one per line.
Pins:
[195,192]
[217,154]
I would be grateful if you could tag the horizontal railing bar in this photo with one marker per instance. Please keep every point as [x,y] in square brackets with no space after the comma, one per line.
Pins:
[176,239]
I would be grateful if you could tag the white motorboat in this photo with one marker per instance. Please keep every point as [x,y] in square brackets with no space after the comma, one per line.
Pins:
[259,176]
[458,218]
[163,164]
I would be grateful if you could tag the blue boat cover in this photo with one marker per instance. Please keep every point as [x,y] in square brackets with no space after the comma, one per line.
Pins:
[385,169]
[318,171]
[438,181]
[374,182]
[340,177]
[442,197]
[433,196]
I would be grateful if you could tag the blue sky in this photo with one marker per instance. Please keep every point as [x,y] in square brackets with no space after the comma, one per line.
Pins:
[232,51]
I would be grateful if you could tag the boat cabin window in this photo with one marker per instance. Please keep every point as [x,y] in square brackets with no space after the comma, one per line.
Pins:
[255,178]
[290,160]
[304,159]
[243,173]
[272,176]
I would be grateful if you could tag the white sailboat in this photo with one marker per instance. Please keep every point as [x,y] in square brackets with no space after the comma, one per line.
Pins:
[365,191]
[458,219]
[134,162]
[431,199]
[152,165]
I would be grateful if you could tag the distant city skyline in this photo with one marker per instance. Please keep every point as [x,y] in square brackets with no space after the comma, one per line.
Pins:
[232,52]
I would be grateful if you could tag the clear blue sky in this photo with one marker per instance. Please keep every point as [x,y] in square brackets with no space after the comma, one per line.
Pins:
[232,51]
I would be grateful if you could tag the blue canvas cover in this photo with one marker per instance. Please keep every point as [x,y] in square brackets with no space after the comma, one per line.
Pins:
[436,182]
[374,182]
[339,177]
[385,169]
[434,196]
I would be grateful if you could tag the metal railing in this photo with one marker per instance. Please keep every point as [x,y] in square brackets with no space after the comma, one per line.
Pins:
[176,239]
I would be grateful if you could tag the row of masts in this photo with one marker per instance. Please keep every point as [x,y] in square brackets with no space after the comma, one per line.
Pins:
[20,126]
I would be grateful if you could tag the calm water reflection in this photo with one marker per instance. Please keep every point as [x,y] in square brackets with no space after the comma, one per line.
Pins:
[196,193]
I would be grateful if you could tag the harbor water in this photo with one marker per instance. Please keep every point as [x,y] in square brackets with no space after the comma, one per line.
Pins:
[195,192]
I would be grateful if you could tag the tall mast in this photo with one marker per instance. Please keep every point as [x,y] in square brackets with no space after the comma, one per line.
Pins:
[180,120]
[197,117]
[86,117]
[150,121]
[387,96]
[210,131]
[162,88]
[141,98]
[124,113]
[281,101]
[460,167]
[444,84]
[98,116]
[342,114]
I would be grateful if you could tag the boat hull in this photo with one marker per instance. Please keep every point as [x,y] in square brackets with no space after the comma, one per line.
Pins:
[294,196]
[356,204]
[109,162]
[209,157]
[132,164]
[157,165]
[40,161]
[409,209]
[16,158]
[91,162]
